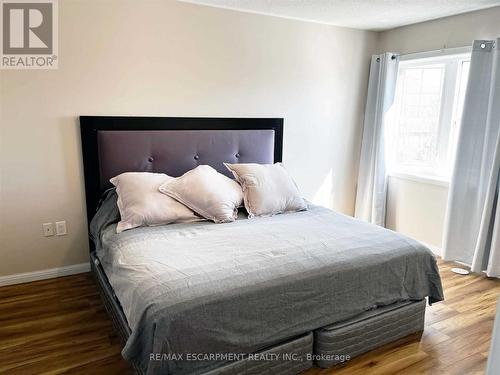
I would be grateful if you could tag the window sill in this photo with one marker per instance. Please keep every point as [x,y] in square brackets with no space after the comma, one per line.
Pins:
[429,180]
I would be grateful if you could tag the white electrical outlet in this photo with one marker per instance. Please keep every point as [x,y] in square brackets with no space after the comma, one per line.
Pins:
[48,229]
[61,228]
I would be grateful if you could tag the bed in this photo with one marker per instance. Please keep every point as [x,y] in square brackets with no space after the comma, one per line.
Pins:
[271,295]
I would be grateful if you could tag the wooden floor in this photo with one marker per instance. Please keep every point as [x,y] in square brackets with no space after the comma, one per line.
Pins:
[60,326]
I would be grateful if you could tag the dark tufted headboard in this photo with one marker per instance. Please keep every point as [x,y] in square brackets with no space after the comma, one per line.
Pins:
[172,145]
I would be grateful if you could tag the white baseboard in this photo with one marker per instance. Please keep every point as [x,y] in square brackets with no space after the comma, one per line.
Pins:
[26,277]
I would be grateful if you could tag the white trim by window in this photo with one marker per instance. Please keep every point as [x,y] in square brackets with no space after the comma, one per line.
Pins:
[428,180]
[422,130]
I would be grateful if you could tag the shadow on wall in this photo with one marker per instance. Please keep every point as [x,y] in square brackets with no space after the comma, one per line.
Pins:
[73,191]
[323,195]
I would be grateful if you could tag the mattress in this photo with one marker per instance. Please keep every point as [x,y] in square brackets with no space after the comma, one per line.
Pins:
[244,286]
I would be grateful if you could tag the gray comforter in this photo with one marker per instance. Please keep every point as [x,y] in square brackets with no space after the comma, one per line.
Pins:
[242,286]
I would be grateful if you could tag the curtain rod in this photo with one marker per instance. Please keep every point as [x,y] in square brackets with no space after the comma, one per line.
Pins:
[446,51]
[434,53]
[443,51]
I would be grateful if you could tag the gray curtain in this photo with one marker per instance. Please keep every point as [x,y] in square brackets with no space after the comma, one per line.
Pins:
[493,367]
[472,220]
[372,180]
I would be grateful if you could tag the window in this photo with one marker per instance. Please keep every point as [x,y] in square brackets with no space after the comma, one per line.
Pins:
[422,132]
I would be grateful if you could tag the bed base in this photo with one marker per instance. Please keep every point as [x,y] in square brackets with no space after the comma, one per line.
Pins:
[351,338]
[111,303]
[327,346]
[294,356]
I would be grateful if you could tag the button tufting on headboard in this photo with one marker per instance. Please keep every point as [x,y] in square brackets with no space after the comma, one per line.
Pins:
[113,145]
[176,152]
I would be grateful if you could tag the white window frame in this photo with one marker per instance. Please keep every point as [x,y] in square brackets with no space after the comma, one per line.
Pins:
[449,117]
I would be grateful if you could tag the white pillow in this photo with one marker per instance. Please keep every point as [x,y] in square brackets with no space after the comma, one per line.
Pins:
[268,189]
[141,204]
[207,192]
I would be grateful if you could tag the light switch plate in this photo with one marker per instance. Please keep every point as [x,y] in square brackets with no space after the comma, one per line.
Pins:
[48,229]
[61,228]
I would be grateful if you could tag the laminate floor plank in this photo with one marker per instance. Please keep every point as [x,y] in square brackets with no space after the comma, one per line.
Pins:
[60,326]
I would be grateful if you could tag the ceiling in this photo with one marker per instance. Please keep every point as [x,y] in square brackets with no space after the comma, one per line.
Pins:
[360,14]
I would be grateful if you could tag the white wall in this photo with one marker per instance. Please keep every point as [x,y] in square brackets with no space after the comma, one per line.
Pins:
[415,208]
[448,32]
[164,58]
